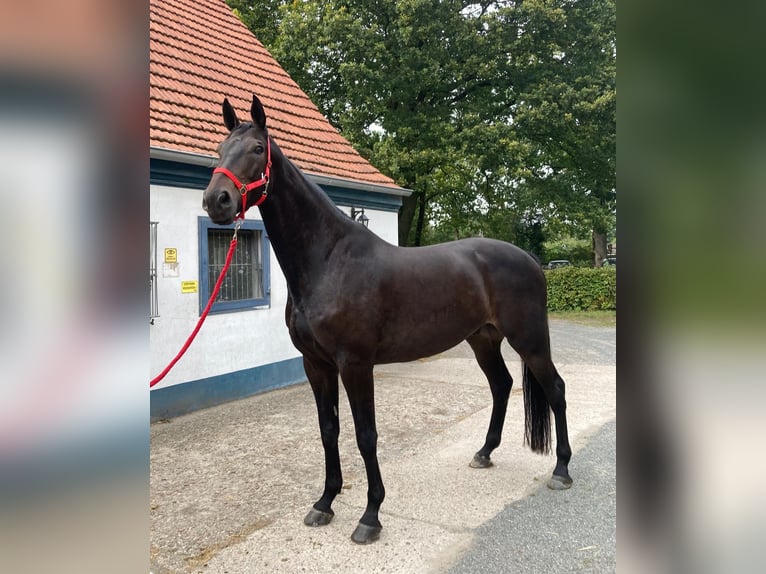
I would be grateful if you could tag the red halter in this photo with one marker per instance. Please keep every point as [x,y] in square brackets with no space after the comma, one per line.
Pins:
[244,188]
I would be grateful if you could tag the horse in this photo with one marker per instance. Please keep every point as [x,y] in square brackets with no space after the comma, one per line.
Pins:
[415,301]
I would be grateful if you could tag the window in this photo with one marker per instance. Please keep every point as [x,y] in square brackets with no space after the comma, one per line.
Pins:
[153,307]
[246,284]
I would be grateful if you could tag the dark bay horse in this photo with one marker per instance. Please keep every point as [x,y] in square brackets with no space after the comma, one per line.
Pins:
[415,302]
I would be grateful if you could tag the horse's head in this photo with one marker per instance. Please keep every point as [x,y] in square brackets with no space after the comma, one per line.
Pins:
[244,166]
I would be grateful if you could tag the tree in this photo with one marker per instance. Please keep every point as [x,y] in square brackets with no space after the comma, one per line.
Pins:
[498,115]
[567,111]
[400,79]
[261,17]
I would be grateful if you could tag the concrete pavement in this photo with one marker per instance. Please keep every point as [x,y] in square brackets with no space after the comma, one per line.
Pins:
[230,485]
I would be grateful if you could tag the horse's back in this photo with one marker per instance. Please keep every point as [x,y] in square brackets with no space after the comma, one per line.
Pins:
[476,263]
[498,262]
[503,252]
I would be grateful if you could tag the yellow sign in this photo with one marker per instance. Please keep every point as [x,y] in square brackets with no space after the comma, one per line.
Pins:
[171,255]
[188,286]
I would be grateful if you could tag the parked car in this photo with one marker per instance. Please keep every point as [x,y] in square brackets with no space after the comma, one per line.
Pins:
[556,263]
[609,261]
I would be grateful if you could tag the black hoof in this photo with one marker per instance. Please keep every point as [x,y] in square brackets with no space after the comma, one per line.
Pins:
[480,461]
[318,517]
[557,482]
[366,534]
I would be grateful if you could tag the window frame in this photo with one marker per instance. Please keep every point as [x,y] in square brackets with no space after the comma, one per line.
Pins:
[205,287]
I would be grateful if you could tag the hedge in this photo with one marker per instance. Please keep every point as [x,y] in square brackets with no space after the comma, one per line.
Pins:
[582,289]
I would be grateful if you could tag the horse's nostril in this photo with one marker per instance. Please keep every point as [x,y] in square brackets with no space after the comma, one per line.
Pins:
[224,198]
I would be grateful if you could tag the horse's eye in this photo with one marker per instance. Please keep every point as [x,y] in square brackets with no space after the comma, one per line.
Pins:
[258,149]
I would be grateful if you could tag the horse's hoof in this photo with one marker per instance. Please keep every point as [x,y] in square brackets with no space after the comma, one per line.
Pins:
[318,517]
[557,482]
[480,461]
[366,534]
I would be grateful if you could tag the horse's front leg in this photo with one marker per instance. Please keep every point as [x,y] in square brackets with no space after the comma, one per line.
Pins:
[323,378]
[358,381]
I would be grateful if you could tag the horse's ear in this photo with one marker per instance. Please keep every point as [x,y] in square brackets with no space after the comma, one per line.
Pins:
[257,113]
[230,119]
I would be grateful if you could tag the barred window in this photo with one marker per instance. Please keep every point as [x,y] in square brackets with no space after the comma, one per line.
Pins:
[246,284]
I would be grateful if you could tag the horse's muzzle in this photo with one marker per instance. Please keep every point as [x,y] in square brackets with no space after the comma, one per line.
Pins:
[220,205]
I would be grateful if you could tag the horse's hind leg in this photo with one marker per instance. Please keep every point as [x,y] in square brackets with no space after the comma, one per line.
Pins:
[524,322]
[541,375]
[324,382]
[486,347]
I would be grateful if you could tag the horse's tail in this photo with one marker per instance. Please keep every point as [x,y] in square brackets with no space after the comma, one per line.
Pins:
[537,413]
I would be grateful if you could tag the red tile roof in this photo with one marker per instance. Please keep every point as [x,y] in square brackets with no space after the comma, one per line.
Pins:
[201,53]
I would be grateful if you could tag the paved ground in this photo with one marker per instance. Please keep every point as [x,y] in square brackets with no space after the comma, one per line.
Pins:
[230,485]
[551,531]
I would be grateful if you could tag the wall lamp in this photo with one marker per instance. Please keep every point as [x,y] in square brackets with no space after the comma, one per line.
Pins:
[359,216]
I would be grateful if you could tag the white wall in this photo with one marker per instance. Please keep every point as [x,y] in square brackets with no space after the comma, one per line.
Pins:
[384,224]
[227,342]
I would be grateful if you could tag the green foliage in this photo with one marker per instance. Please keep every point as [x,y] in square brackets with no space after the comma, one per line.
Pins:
[582,289]
[261,17]
[500,116]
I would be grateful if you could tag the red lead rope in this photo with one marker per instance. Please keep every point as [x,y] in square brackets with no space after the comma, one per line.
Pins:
[213,295]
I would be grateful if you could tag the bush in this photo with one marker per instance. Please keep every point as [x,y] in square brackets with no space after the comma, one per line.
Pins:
[582,289]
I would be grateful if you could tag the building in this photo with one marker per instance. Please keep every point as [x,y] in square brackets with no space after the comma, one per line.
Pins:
[201,53]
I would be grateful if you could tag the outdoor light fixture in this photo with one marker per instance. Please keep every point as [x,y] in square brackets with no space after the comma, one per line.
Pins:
[359,216]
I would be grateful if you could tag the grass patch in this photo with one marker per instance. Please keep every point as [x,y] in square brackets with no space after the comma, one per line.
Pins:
[590,318]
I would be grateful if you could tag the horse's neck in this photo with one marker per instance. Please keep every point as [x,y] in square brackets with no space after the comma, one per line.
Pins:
[303,224]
